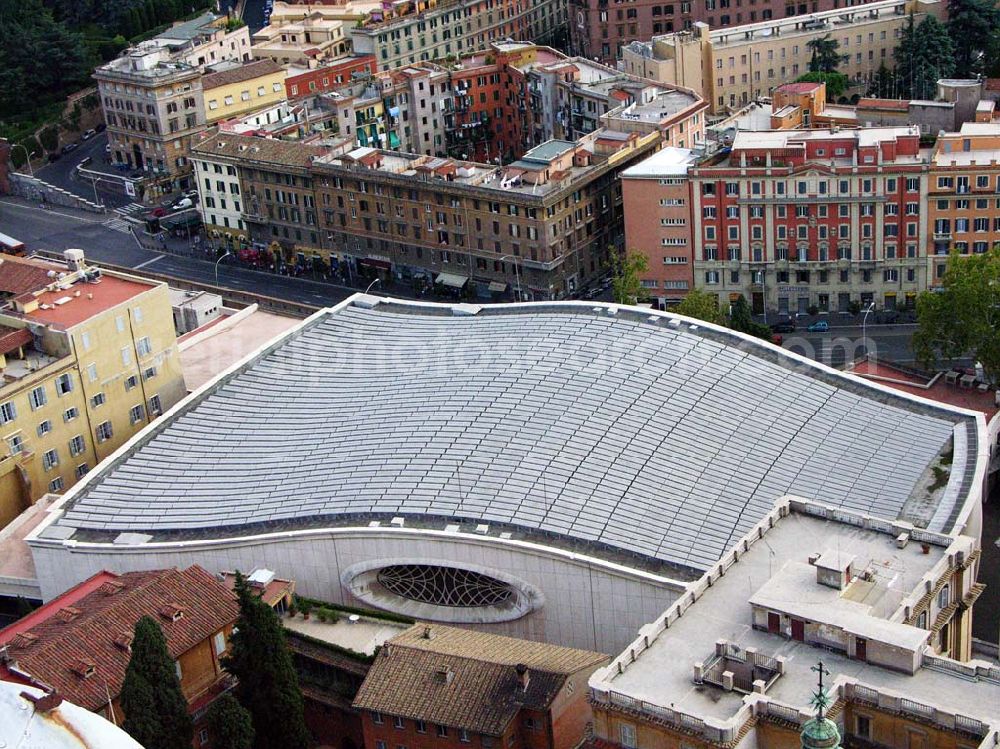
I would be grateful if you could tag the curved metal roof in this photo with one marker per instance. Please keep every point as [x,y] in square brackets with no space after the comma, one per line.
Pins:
[627,430]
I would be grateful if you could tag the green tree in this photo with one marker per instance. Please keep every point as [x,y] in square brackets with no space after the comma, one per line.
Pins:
[156,713]
[925,53]
[836,83]
[701,305]
[883,83]
[626,279]
[963,318]
[741,319]
[972,25]
[268,685]
[229,725]
[825,58]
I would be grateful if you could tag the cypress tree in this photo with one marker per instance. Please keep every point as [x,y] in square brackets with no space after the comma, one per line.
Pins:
[229,725]
[268,685]
[156,713]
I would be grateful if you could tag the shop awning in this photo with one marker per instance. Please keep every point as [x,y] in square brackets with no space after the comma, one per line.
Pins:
[451,279]
[375,263]
[498,286]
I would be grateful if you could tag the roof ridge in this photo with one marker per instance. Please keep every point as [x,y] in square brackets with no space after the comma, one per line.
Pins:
[473,658]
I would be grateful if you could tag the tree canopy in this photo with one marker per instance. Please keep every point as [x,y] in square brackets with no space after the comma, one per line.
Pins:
[626,280]
[972,26]
[229,725]
[963,318]
[701,305]
[836,83]
[156,713]
[925,53]
[268,686]
[825,56]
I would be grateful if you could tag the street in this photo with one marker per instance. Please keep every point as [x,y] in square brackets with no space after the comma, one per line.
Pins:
[62,173]
[843,344]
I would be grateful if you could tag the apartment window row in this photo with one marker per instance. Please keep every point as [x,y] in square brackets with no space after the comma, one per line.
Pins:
[399,722]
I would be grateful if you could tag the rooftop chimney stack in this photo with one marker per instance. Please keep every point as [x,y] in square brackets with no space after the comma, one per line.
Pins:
[524,675]
[74,260]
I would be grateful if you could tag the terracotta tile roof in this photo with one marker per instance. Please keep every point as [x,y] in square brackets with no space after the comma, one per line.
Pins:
[21,275]
[261,150]
[246,72]
[467,679]
[803,87]
[61,643]
[12,339]
[896,105]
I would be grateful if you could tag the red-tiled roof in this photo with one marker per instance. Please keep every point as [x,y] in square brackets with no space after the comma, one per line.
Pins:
[940,391]
[803,87]
[896,105]
[66,308]
[21,275]
[91,626]
[12,339]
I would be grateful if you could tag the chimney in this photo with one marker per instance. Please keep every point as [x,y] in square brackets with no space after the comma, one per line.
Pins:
[428,635]
[45,703]
[445,675]
[524,675]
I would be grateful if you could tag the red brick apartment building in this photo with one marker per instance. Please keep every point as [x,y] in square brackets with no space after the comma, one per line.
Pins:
[80,642]
[302,83]
[436,687]
[600,28]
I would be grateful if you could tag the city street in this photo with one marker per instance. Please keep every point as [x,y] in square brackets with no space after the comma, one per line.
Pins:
[62,173]
[843,344]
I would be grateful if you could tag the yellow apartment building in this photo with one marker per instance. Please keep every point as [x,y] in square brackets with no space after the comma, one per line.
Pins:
[730,67]
[236,89]
[963,195]
[88,358]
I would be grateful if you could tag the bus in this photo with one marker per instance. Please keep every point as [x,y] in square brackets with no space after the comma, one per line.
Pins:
[11,246]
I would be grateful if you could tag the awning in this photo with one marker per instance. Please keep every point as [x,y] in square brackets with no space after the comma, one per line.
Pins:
[498,286]
[375,263]
[451,279]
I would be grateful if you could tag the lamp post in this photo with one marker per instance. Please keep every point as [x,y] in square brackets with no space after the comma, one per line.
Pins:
[27,156]
[372,284]
[517,275]
[227,254]
[864,327]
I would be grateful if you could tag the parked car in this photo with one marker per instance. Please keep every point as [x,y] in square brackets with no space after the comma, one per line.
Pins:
[107,148]
[70,147]
[158,212]
[820,326]
[89,134]
[181,203]
[777,339]
[193,194]
[784,326]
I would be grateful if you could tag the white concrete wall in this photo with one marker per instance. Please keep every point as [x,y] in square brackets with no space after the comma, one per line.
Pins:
[587,604]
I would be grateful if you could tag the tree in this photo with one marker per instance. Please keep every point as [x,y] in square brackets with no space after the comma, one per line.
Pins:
[924,55]
[836,83]
[229,725]
[883,83]
[627,272]
[825,57]
[963,318]
[701,305]
[971,26]
[156,713]
[741,319]
[268,685]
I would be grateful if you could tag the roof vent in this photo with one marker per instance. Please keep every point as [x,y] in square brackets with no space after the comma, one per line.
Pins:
[84,669]
[111,587]
[124,641]
[24,640]
[445,675]
[482,529]
[397,522]
[68,613]
[172,612]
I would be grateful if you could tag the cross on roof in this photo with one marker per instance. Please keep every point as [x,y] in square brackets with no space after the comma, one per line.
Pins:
[820,699]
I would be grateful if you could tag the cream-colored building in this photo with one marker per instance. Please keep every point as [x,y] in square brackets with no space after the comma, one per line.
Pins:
[234,89]
[88,359]
[733,66]
[308,34]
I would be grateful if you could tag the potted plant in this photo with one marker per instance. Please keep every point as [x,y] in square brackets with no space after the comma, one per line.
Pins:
[306,608]
[322,614]
[292,610]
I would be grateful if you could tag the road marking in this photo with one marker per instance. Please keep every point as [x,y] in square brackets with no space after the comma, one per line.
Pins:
[50,211]
[148,262]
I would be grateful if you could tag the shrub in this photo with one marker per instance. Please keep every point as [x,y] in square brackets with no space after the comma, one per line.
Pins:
[49,138]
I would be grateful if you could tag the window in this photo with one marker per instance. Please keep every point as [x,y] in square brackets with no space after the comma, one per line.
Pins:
[8,412]
[155,409]
[120,323]
[178,671]
[97,400]
[136,414]
[442,731]
[149,373]
[16,443]
[56,484]
[137,314]
[81,470]
[126,355]
[85,341]
[37,397]
[219,643]
[379,744]
[50,459]
[70,413]
[377,718]
[143,346]
[92,372]
[944,596]
[863,726]
[44,428]
[627,734]
[398,722]
[712,277]
[64,384]
[104,431]
[421,726]
[203,737]
[130,382]
[463,735]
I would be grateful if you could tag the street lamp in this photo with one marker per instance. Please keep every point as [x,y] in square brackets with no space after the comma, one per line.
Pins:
[97,200]
[227,254]
[517,275]
[372,284]
[864,327]
[27,156]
